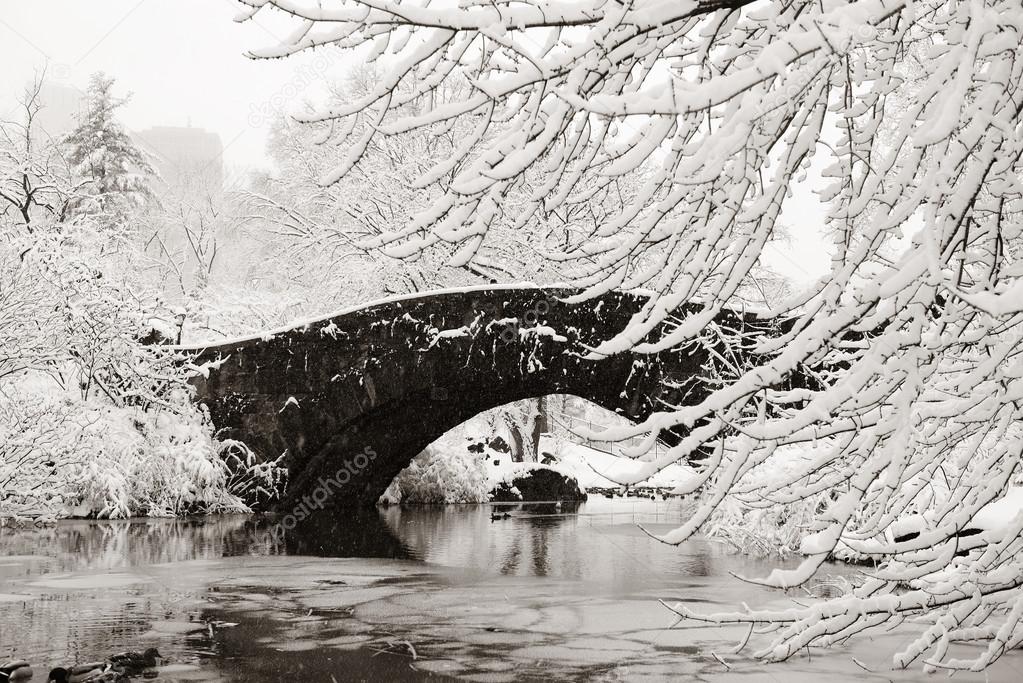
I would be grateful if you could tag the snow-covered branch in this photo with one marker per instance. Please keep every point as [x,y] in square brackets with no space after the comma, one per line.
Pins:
[666,140]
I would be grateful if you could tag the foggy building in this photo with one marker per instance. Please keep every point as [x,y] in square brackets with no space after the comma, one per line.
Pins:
[184,156]
[60,107]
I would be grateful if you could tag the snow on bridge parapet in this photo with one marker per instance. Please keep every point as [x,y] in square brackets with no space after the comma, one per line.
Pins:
[557,291]
[395,375]
[308,323]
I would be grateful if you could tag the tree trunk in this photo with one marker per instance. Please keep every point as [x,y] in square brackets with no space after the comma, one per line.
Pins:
[518,445]
[525,430]
[539,426]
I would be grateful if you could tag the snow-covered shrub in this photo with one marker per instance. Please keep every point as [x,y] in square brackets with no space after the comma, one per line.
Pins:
[220,311]
[777,529]
[787,525]
[254,481]
[92,421]
[64,455]
[440,475]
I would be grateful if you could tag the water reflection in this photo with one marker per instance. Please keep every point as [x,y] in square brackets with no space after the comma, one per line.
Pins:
[344,533]
[595,541]
[80,546]
[432,593]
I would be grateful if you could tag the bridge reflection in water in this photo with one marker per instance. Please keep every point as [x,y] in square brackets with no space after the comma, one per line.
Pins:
[591,541]
[545,594]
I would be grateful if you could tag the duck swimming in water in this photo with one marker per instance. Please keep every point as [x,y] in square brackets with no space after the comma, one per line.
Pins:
[17,670]
[94,672]
[113,670]
[494,516]
[135,662]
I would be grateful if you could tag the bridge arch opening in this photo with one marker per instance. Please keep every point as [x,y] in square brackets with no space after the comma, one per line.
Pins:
[551,432]
[351,399]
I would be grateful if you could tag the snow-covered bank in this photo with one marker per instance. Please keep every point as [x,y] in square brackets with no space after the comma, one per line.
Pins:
[69,456]
[588,467]
[445,472]
[448,472]
[593,468]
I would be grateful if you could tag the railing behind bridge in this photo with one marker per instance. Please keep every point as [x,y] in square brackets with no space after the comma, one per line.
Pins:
[572,423]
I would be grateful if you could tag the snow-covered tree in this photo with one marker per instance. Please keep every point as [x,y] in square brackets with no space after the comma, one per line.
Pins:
[92,420]
[716,109]
[102,153]
[35,182]
[335,225]
[323,233]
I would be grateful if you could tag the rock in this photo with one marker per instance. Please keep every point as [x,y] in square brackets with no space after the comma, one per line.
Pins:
[538,484]
[500,445]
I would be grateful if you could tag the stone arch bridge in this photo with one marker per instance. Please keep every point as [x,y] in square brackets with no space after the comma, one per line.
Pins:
[350,399]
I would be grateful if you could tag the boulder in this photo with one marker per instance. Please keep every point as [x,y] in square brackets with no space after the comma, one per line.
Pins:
[538,484]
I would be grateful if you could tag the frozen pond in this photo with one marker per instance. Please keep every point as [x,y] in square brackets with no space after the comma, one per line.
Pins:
[416,594]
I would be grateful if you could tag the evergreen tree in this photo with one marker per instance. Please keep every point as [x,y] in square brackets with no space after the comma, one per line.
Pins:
[102,153]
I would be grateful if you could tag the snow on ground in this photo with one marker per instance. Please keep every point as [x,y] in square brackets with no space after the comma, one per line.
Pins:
[446,472]
[995,518]
[586,465]
[589,466]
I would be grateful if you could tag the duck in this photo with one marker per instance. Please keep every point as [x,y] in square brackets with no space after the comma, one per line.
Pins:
[494,516]
[135,662]
[94,672]
[15,670]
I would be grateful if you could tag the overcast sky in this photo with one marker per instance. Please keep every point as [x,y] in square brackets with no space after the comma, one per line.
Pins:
[184,61]
[181,60]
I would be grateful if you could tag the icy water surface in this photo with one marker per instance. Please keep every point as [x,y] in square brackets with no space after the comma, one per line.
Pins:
[417,594]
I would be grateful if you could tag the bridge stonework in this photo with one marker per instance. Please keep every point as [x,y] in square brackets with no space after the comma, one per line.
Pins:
[364,392]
